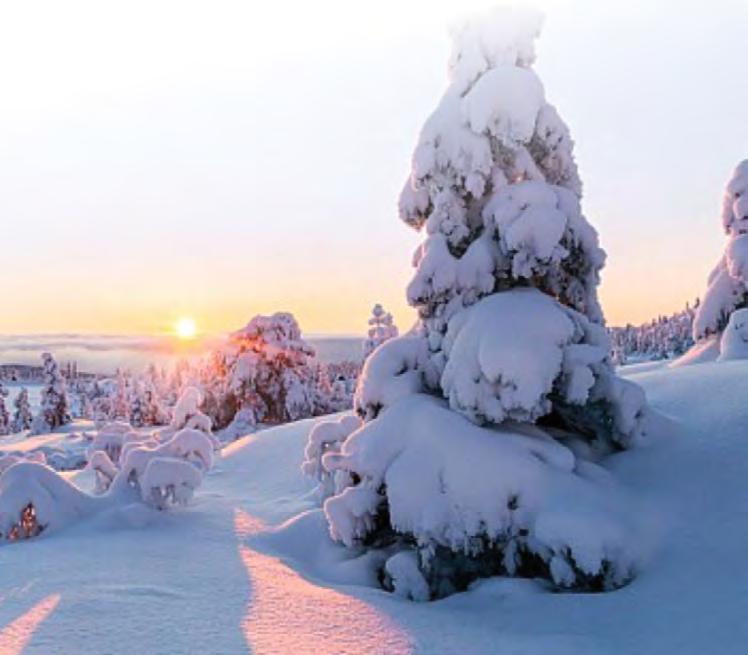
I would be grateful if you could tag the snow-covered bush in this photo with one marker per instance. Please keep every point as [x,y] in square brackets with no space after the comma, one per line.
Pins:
[728,282]
[328,437]
[128,465]
[22,416]
[187,413]
[54,399]
[482,422]
[381,328]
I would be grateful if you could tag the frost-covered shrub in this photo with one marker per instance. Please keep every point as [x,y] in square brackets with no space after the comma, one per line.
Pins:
[54,410]
[34,498]
[328,437]
[128,466]
[381,328]
[728,282]
[482,422]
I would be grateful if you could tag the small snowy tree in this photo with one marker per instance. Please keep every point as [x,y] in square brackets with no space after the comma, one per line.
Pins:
[5,424]
[144,406]
[270,371]
[54,411]
[728,283]
[481,422]
[22,416]
[381,328]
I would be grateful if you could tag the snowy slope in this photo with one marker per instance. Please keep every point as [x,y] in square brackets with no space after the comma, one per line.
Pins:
[214,578]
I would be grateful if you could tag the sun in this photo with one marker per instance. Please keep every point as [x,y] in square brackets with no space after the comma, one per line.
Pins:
[185,328]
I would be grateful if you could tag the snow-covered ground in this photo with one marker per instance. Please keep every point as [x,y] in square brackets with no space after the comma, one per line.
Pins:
[248,565]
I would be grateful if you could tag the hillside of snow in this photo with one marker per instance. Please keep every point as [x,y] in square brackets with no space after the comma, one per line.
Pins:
[249,565]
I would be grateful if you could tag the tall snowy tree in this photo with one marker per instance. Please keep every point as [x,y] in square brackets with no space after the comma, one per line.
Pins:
[22,416]
[54,411]
[475,419]
[728,283]
[381,328]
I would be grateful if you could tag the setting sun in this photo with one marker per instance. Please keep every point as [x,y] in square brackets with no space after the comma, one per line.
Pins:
[186,328]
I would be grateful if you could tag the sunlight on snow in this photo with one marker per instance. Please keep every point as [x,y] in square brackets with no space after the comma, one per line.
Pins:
[287,614]
[15,636]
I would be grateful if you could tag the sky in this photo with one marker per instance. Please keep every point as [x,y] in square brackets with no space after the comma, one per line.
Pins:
[222,159]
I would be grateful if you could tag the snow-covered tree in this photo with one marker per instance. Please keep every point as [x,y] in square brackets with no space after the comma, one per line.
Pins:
[662,338]
[728,283]
[381,328]
[145,408]
[270,371]
[54,410]
[482,421]
[5,423]
[22,416]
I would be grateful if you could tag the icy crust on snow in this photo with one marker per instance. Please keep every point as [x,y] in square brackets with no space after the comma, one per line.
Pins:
[511,498]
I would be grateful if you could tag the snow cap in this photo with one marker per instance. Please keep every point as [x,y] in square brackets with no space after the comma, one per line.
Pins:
[501,35]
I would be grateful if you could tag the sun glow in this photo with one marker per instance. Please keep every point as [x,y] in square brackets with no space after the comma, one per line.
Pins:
[185,328]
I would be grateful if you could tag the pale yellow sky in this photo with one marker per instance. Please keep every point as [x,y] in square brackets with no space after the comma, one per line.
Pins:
[217,160]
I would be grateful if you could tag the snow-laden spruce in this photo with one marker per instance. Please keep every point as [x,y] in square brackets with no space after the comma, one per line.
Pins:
[482,423]
[5,422]
[381,328]
[54,411]
[727,289]
[160,468]
[269,373]
[22,415]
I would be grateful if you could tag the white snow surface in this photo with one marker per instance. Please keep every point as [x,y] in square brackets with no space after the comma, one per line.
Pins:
[249,566]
